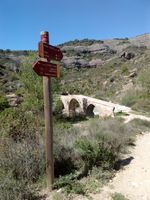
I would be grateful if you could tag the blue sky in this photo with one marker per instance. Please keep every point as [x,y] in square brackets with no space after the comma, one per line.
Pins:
[21,21]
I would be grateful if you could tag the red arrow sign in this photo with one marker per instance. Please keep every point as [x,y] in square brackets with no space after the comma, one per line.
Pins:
[50,52]
[46,69]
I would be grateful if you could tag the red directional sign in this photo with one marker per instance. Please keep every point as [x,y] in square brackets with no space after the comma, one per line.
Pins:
[50,52]
[46,69]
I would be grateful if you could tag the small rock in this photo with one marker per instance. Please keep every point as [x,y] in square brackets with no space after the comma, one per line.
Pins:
[13,100]
[132,74]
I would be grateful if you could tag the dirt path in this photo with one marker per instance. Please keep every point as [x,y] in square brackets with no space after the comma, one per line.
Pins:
[134,116]
[134,180]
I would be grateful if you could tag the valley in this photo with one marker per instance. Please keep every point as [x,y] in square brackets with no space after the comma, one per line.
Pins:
[91,138]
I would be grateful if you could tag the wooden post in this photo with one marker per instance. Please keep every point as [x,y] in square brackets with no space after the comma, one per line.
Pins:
[48,122]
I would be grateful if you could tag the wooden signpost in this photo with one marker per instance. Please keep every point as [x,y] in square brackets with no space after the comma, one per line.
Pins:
[48,69]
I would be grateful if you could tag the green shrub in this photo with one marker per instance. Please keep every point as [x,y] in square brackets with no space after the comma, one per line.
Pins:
[75,187]
[63,163]
[22,159]
[88,151]
[130,98]
[98,145]
[139,97]
[18,124]
[57,107]
[124,69]
[103,144]
[100,152]
[144,78]
[20,166]
[118,196]
[70,184]
[32,85]
[32,89]
[139,125]
[58,196]
[16,189]
[142,105]
[3,102]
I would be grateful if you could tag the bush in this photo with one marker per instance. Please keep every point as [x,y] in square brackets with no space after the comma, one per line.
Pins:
[75,187]
[17,124]
[78,152]
[32,89]
[3,102]
[100,152]
[70,184]
[142,105]
[130,98]
[118,196]
[144,78]
[139,125]
[66,160]
[32,85]
[63,163]
[88,151]
[21,165]
[18,190]
[57,107]
[104,142]
[124,69]
[22,159]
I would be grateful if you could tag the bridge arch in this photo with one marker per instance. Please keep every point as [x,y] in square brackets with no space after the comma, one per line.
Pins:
[90,110]
[74,107]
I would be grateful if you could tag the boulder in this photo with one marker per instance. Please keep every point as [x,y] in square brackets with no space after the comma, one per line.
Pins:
[127,55]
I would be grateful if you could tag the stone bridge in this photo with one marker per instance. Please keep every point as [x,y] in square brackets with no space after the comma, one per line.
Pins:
[75,104]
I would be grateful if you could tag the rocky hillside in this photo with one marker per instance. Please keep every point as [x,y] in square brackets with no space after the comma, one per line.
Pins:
[9,67]
[93,53]
[114,70]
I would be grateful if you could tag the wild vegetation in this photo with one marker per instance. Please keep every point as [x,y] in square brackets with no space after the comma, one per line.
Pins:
[118,196]
[85,157]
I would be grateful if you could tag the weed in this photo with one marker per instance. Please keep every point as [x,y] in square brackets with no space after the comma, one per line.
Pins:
[3,102]
[130,98]
[20,167]
[118,196]
[58,196]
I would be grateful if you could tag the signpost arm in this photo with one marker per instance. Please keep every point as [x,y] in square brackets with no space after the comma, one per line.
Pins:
[48,122]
